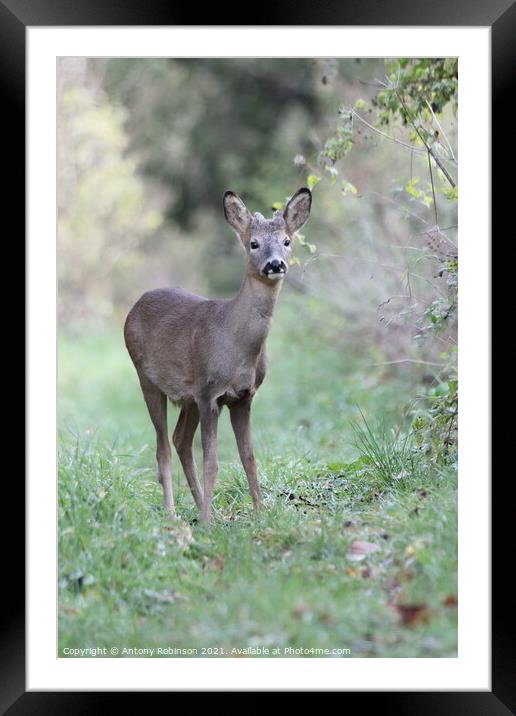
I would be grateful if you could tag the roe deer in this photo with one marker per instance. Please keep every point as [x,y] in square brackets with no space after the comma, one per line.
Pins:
[202,354]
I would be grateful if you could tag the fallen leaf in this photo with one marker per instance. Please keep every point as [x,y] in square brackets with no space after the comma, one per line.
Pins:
[300,609]
[450,601]
[324,617]
[68,609]
[359,550]
[216,564]
[412,614]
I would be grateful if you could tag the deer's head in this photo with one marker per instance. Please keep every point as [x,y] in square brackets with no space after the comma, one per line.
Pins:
[267,242]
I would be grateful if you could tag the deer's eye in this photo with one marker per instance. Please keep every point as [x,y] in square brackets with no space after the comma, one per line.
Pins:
[254,244]
[286,242]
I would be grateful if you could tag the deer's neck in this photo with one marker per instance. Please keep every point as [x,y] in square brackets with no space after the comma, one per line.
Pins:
[251,312]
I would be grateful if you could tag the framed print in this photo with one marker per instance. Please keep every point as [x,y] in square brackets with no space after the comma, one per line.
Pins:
[338,521]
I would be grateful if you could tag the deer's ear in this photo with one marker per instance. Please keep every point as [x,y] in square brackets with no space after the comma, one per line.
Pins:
[236,213]
[297,210]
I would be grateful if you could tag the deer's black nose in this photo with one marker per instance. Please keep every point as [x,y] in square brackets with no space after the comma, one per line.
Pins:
[274,266]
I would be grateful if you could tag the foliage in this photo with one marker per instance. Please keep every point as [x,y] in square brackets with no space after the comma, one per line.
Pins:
[185,123]
[201,125]
[435,428]
[191,129]
[405,111]
[105,213]
[423,80]
[387,452]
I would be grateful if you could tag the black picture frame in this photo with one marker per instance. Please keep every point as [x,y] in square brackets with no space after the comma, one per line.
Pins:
[15,17]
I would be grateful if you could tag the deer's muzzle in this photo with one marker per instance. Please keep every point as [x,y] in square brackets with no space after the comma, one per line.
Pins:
[275,269]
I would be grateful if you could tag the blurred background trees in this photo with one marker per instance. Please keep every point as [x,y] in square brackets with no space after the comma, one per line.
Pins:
[184,131]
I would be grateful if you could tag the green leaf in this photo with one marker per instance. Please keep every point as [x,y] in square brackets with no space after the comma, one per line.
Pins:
[278,205]
[311,247]
[348,187]
[333,172]
[411,189]
[360,104]
[451,192]
[312,181]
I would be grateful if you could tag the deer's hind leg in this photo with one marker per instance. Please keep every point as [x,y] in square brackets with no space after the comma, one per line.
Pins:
[183,442]
[157,405]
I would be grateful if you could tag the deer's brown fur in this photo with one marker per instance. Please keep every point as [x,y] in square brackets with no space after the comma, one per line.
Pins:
[203,354]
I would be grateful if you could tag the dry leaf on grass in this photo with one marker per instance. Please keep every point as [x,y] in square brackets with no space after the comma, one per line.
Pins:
[68,609]
[216,564]
[359,550]
[300,610]
[450,601]
[412,614]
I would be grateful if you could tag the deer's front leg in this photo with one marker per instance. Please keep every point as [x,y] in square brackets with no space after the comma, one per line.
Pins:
[241,421]
[209,414]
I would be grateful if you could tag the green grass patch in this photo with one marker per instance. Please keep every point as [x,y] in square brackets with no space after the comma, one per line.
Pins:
[288,578]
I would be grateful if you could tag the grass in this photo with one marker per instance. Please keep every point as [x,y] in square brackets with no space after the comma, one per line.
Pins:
[288,579]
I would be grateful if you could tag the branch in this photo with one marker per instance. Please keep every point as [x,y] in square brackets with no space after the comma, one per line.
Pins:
[397,205]
[427,146]
[433,190]
[449,146]
[408,360]
[412,147]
